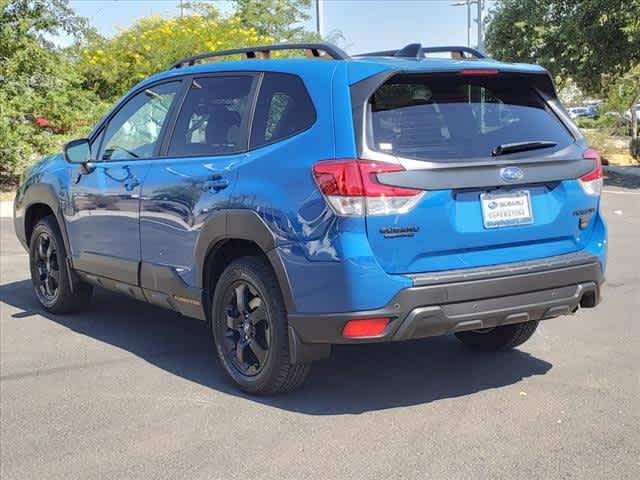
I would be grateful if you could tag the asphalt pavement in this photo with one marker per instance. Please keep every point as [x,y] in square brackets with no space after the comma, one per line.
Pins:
[126,390]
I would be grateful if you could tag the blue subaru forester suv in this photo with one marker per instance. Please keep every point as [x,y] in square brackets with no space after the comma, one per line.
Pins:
[297,203]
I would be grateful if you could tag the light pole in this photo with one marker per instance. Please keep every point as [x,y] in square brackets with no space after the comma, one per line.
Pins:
[466,3]
[479,20]
[480,4]
[319,18]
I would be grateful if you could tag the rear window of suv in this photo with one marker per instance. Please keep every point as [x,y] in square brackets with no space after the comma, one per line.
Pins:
[459,117]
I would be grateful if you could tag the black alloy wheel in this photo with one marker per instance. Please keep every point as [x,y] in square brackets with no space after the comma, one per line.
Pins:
[247,337]
[47,281]
[50,273]
[250,329]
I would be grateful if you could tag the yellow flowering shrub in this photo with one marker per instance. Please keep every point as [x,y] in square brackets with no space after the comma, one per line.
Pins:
[112,66]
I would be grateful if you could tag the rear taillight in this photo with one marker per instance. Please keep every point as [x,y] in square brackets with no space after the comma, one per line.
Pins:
[591,183]
[352,188]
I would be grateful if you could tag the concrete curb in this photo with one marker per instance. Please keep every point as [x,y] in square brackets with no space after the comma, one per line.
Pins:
[635,171]
[6,209]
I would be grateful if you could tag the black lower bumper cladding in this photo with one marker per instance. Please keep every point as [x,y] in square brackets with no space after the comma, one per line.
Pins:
[470,299]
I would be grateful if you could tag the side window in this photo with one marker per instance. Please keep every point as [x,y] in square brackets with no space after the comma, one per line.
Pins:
[134,131]
[283,109]
[213,118]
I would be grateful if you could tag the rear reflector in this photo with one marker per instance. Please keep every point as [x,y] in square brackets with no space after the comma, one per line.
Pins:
[591,183]
[370,327]
[352,188]
[479,71]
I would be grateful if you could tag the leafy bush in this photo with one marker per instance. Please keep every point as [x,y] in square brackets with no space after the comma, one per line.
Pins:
[584,122]
[37,121]
[611,123]
[40,93]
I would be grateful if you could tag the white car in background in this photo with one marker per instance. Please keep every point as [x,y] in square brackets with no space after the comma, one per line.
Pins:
[586,112]
[576,112]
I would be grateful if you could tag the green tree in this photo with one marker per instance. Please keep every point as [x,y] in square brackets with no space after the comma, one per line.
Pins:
[594,43]
[590,41]
[40,96]
[281,20]
[623,95]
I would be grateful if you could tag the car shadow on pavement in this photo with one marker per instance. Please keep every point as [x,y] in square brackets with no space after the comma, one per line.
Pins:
[356,379]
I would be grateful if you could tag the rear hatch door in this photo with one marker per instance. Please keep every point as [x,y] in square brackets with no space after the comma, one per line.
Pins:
[497,160]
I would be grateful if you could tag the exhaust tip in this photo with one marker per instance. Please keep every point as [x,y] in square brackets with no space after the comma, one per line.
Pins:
[589,299]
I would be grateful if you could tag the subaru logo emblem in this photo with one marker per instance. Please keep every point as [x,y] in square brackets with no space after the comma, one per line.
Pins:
[511,174]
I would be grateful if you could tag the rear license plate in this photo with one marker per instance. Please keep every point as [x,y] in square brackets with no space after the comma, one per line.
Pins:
[506,209]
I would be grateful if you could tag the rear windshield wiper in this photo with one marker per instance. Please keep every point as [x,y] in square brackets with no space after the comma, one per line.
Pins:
[506,148]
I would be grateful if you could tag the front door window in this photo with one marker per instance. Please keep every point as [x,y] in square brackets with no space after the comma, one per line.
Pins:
[133,133]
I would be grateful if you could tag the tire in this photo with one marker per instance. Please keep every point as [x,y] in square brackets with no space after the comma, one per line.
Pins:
[501,338]
[250,329]
[49,270]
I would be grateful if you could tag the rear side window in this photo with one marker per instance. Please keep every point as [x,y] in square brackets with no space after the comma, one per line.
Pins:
[283,109]
[213,118]
[456,117]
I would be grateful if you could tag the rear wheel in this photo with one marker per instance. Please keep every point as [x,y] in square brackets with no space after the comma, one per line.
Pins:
[49,271]
[504,337]
[250,329]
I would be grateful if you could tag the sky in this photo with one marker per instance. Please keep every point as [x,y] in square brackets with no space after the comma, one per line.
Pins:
[365,25]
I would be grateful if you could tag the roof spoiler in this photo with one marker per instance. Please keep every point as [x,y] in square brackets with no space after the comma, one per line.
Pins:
[416,50]
[312,50]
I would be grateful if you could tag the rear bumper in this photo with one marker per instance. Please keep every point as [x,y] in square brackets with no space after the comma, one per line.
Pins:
[470,299]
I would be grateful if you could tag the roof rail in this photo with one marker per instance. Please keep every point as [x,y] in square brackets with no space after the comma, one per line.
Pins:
[264,51]
[413,50]
[410,51]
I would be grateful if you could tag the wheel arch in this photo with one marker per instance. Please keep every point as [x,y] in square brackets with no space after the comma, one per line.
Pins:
[233,234]
[32,215]
[39,201]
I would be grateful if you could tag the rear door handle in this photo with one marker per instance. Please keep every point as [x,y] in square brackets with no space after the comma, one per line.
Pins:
[216,183]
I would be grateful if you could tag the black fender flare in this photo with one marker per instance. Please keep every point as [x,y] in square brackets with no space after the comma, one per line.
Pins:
[45,194]
[42,193]
[242,224]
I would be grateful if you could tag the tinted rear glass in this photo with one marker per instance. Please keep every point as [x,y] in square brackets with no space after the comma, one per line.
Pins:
[456,117]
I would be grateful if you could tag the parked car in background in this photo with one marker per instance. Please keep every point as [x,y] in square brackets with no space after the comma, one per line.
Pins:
[575,112]
[584,112]
[295,204]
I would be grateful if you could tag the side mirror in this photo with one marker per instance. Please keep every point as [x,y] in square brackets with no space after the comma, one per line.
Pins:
[78,151]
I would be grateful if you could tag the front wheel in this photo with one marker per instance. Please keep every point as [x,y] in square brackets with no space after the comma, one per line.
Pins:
[49,270]
[504,337]
[250,329]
